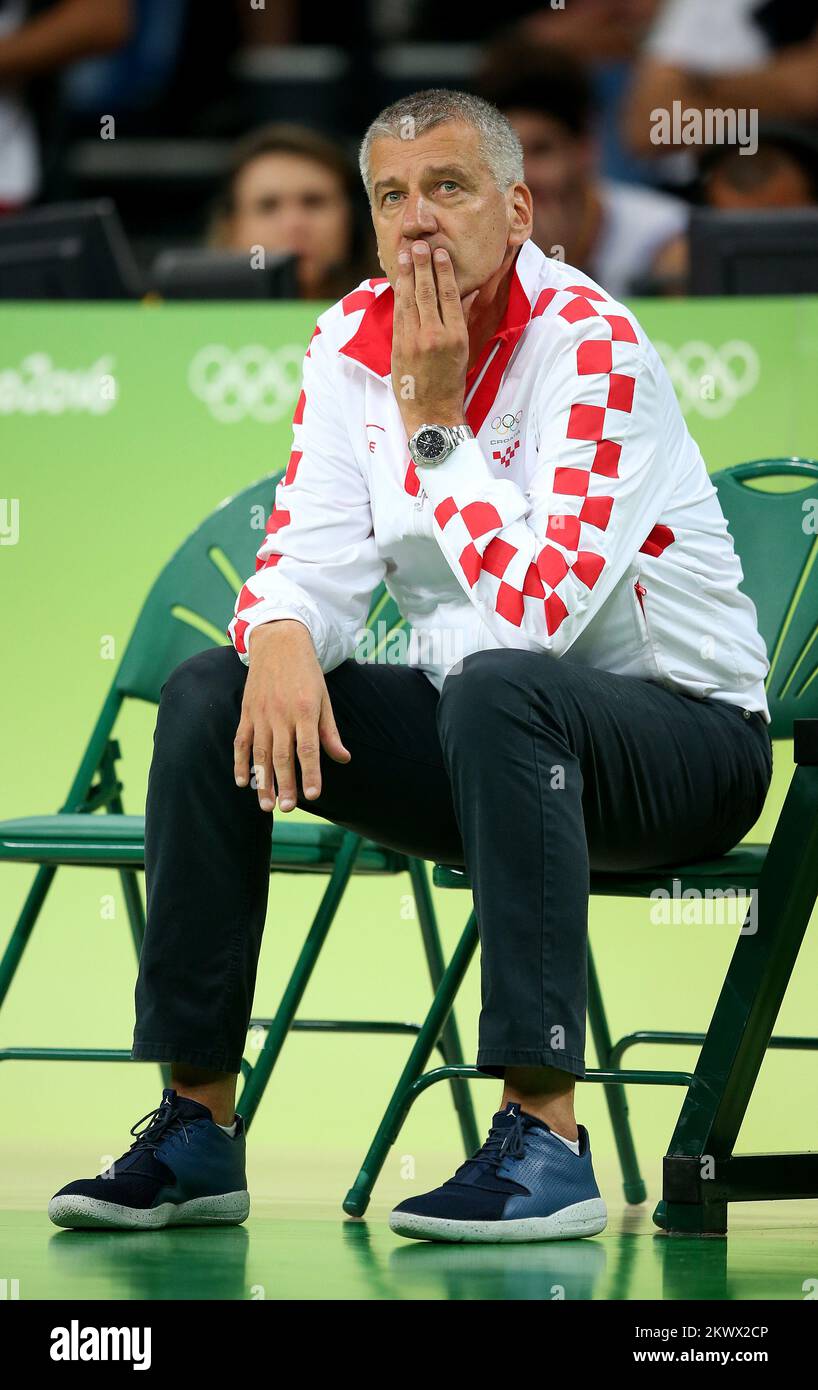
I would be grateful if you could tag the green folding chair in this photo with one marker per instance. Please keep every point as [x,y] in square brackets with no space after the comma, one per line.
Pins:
[186,611]
[778,546]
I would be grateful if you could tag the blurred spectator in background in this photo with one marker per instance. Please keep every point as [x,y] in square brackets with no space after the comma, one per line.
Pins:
[783,173]
[613,231]
[732,55]
[37,39]
[291,189]
[604,35]
[175,76]
[589,29]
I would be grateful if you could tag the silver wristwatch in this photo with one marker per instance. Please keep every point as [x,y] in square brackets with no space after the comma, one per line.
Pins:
[431,444]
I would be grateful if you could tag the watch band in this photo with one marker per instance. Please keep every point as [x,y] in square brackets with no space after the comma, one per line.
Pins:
[431,444]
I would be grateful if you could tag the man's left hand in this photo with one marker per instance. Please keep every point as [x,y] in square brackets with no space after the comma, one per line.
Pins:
[430,339]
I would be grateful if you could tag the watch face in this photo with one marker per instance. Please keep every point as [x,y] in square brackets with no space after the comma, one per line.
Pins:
[431,444]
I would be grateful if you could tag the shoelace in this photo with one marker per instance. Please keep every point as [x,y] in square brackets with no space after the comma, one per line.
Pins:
[160,1120]
[504,1141]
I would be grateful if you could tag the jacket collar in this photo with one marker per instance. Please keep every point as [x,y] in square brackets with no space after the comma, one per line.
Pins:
[371,343]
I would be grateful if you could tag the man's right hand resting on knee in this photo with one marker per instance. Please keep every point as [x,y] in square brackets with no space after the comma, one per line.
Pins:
[286,714]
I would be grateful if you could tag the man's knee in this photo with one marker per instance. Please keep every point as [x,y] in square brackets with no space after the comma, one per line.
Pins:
[206,689]
[504,695]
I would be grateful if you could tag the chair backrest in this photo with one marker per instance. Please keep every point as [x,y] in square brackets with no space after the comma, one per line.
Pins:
[191,602]
[771,506]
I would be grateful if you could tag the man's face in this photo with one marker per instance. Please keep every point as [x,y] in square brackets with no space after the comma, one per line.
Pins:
[437,188]
[285,202]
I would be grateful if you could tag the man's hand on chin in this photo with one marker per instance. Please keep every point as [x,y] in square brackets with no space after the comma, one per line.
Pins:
[430,339]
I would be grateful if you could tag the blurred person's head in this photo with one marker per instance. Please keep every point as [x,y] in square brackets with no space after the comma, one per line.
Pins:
[289,189]
[546,95]
[782,173]
[446,168]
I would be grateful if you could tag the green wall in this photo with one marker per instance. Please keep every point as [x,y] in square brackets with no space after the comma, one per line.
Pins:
[108,484]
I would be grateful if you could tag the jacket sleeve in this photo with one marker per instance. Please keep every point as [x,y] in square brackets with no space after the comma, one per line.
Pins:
[318,562]
[539,564]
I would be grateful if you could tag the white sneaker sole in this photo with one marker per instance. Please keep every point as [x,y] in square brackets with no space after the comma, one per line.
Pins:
[582,1219]
[89,1213]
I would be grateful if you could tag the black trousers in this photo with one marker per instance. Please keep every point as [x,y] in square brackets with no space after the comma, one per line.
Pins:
[528,769]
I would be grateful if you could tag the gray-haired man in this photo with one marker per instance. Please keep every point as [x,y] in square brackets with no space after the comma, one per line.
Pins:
[487,431]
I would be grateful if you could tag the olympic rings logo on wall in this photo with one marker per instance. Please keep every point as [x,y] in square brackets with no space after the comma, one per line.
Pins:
[251,382]
[710,379]
[257,383]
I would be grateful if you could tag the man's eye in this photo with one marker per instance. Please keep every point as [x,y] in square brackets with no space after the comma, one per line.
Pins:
[393,193]
[449,183]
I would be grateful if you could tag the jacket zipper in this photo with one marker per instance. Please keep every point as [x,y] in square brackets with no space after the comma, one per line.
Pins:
[640,592]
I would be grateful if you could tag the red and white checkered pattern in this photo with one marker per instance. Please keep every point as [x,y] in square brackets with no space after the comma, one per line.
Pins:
[316,602]
[608,507]
[505,456]
[536,577]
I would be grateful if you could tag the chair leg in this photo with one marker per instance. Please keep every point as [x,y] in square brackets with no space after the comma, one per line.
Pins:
[632,1181]
[256,1083]
[357,1199]
[131,892]
[450,1037]
[134,907]
[24,926]
[701,1176]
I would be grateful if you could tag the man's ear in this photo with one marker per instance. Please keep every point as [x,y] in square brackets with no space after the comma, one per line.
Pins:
[521,219]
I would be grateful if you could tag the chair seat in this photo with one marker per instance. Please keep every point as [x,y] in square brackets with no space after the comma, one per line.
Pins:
[739,868]
[119,841]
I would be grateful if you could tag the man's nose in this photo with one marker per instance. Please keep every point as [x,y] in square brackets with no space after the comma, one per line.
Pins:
[418,218]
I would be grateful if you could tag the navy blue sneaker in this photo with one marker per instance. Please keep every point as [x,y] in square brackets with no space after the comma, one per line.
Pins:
[181,1170]
[524,1184]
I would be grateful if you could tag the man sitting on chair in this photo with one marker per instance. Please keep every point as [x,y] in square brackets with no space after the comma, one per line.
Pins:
[486,430]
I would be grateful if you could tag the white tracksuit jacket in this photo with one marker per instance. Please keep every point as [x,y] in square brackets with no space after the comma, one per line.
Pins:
[580,520]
